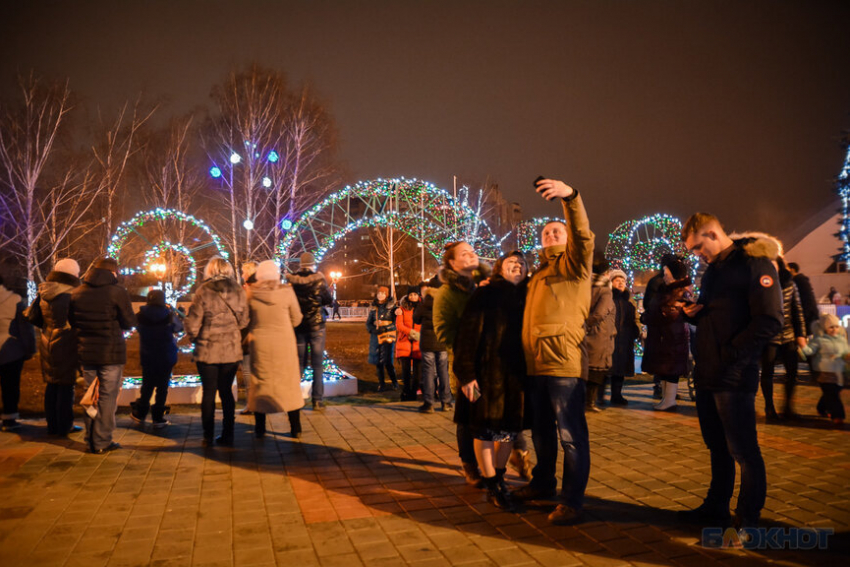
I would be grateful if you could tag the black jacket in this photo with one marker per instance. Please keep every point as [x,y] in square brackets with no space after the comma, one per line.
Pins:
[100,312]
[742,311]
[424,316]
[57,341]
[808,300]
[157,344]
[793,323]
[488,348]
[667,345]
[312,292]
[623,360]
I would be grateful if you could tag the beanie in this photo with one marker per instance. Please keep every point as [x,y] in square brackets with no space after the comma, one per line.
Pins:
[307,260]
[267,271]
[617,274]
[68,266]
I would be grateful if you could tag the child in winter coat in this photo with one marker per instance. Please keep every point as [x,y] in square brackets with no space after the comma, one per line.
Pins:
[407,347]
[829,352]
[157,325]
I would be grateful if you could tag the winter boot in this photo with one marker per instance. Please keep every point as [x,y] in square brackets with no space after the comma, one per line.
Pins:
[668,403]
[295,423]
[617,398]
[590,398]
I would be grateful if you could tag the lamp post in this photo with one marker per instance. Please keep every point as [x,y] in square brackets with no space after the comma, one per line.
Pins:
[335,278]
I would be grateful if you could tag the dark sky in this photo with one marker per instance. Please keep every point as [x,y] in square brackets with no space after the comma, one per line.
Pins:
[733,107]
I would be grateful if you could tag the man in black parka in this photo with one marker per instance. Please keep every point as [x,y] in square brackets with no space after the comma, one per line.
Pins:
[100,312]
[738,312]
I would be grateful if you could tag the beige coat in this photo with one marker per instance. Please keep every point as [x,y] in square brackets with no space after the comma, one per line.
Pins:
[275,374]
[558,301]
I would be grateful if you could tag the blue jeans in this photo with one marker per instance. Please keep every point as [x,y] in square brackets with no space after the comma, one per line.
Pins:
[435,377]
[728,424]
[99,430]
[557,406]
[316,358]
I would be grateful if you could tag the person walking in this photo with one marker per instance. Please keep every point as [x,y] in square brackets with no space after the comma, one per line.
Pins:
[57,345]
[460,274]
[667,346]
[407,346]
[276,378]
[811,314]
[600,329]
[336,314]
[556,307]
[158,324]
[790,338]
[628,331]
[17,345]
[218,313]
[101,311]
[490,367]
[739,310]
[313,294]
[435,359]
[382,337]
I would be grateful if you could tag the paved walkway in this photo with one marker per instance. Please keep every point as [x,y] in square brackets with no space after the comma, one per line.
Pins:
[380,485]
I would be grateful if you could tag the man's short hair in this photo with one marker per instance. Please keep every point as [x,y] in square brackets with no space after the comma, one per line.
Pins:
[794,266]
[697,221]
[553,221]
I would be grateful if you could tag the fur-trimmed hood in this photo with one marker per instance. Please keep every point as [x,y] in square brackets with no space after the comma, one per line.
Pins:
[601,280]
[457,281]
[759,244]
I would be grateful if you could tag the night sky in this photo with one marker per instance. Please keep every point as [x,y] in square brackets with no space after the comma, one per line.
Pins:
[732,107]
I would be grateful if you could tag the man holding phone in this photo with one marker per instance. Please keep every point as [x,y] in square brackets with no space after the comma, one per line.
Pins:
[557,304]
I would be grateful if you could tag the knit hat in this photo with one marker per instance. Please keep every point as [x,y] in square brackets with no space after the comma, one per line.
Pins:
[307,260]
[414,289]
[267,271]
[106,263]
[613,274]
[156,297]
[67,266]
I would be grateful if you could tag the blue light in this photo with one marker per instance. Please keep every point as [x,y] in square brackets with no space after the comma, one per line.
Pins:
[273,157]
[286,224]
[215,172]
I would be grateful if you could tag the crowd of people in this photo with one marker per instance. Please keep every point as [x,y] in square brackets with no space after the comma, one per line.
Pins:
[506,349]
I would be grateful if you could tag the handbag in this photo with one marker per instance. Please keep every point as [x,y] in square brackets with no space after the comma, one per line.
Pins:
[91,397]
[388,337]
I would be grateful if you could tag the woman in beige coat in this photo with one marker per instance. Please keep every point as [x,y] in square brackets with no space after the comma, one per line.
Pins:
[275,382]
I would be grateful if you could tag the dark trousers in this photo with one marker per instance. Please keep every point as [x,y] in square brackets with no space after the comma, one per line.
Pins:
[315,358]
[557,406]
[830,401]
[59,408]
[465,444]
[260,422]
[385,362]
[727,421]
[218,379]
[787,353]
[409,376]
[153,378]
[10,384]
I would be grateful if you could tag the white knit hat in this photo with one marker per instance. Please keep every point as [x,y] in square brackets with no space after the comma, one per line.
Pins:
[68,266]
[267,271]
[613,274]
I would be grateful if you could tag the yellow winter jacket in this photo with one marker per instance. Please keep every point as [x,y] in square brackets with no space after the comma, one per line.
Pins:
[558,300]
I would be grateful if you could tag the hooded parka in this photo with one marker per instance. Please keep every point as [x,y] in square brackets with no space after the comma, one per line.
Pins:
[218,312]
[100,312]
[601,325]
[275,374]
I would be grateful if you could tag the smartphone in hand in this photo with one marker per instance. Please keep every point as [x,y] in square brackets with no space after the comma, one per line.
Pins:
[476,394]
[538,180]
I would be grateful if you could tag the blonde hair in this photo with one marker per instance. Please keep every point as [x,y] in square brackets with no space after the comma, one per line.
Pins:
[695,223]
[216,267]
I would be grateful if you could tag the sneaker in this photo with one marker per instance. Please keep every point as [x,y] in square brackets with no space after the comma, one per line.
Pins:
[563,515]
[472,475]
[74,429]
[447,406]
[426,408]
[160,423]
[705,515]
[11,425]
[318,405]
[246,411]
[529,492]
[137,419]
[521,462]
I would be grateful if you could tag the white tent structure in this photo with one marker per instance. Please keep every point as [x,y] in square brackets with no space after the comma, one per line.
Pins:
[814,245]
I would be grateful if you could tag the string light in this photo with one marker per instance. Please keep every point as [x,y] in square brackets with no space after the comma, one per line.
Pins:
[842,185]
[638,245]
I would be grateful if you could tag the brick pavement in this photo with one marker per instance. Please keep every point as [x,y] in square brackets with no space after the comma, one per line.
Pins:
[380,485]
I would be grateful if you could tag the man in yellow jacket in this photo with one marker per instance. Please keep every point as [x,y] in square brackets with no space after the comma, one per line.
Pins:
[557,305]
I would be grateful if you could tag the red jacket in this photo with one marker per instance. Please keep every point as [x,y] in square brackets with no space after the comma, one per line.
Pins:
[405,346]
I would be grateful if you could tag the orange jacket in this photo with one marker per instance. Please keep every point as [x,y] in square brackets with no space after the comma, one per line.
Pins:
[405,346]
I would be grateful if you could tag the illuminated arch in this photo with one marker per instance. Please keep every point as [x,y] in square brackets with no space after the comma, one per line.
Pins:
[638,245]
[417,208]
